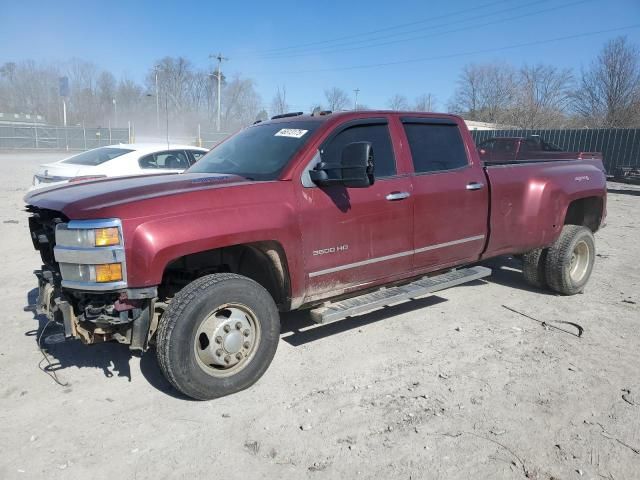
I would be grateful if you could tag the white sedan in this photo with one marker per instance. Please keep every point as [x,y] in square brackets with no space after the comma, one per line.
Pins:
[118,160]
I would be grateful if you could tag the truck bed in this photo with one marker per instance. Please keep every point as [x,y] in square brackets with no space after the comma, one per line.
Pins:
[525,199]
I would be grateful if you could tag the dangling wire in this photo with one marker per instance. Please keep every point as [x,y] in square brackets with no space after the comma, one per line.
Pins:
[49,368]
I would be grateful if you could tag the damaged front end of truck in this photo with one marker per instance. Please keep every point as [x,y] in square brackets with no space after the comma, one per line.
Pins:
[82,284]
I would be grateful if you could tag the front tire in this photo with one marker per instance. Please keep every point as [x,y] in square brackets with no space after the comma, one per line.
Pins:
[570,260]
[218,336]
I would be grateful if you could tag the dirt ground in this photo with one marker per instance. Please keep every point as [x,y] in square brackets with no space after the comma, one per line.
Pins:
[447,387]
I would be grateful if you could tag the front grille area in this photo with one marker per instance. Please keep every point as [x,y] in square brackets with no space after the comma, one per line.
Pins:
[42,224]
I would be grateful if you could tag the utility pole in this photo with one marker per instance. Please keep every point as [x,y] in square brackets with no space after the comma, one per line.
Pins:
[220,59]
[355,104]
[156,68]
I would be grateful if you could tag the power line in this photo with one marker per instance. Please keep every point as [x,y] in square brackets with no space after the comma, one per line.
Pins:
[420,37]
[332,48]
[461,54]
[393,27]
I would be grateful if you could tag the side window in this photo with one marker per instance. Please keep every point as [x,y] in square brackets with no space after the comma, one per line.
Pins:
[148,161]
[171,160]
[196,154]
[378,135]
[435,147]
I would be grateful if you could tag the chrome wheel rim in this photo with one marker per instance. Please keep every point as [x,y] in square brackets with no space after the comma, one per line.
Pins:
[579,261]
[226,340]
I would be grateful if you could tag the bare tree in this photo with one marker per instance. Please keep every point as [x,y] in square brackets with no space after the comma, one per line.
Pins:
[425,103]
[28,87]
[175,82]
[485,92]
[398,102]
[83,101]
[132,103]
[240,103]
[543,96]
[279,103]
[106,93]
[609,91]
[337,99]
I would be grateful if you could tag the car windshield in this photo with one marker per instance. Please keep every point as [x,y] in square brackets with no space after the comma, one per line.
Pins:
[259,152]
[97,156]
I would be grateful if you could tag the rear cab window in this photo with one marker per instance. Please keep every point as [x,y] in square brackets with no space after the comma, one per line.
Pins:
[504,146]
[436,145]
[97,156]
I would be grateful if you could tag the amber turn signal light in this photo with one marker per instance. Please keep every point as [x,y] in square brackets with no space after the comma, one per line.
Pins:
[107,236]
[109,272]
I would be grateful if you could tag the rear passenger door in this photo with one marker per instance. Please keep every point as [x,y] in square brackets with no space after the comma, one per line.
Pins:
[450,195]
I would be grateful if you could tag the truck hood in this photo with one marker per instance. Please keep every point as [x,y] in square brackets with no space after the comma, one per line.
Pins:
[84,199]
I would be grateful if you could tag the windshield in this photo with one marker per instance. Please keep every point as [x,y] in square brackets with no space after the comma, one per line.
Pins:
[97,156]
[259,152]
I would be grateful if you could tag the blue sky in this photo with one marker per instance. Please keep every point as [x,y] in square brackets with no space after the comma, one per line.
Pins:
[308,46]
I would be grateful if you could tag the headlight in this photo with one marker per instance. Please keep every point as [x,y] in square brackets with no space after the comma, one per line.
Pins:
[106,272]
[91,254]
[105,237]
[87,237]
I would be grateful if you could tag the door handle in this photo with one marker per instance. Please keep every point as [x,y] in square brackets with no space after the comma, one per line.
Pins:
[475,186]
[394,196]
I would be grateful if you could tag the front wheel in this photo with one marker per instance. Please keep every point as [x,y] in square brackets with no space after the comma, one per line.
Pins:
[570,260]
[217,336]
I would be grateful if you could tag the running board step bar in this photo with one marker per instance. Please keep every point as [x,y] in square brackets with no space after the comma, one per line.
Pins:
[330,312]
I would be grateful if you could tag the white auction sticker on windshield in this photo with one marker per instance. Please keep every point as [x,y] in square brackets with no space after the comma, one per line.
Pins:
[291,133]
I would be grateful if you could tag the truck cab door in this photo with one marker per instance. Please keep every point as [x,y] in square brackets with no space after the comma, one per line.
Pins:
[451,203]
[353,237]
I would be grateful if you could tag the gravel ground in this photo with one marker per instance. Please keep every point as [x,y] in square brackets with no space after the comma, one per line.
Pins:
[451,386]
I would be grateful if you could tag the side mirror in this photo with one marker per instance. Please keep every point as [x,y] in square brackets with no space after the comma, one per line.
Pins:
[355,170]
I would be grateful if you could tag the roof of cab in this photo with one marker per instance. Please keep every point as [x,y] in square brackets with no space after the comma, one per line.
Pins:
[353,114]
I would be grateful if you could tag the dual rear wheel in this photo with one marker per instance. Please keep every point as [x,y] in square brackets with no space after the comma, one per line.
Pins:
[565,266]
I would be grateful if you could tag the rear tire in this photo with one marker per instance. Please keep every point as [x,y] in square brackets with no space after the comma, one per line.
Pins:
[534,267]
[570,260]
[217,336]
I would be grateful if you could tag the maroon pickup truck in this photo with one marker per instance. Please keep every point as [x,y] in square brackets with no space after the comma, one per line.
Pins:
[504,149]
[300,212]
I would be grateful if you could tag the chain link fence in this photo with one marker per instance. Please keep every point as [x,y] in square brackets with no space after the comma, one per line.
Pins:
[620,147]
[37,137]
[18,137]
